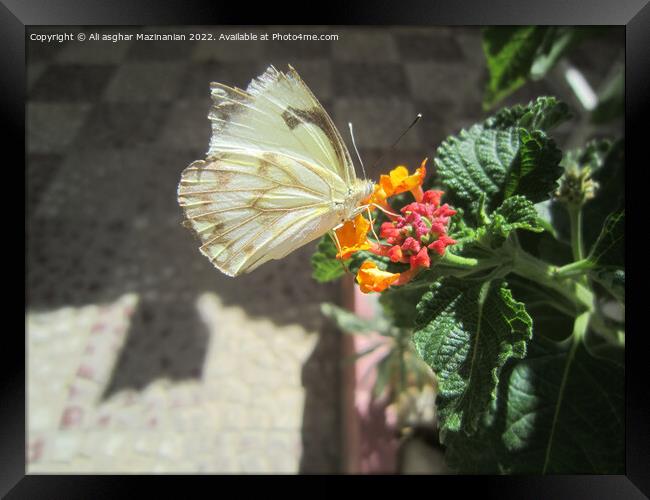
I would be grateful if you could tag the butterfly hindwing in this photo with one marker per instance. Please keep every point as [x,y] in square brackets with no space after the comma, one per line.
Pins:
[248,207]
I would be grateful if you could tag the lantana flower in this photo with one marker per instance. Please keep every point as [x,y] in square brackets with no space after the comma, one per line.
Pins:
[373,279]
[411,237]
[399,181]
[352,237]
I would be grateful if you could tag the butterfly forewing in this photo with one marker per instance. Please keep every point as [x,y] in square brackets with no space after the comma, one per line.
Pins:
[277,112]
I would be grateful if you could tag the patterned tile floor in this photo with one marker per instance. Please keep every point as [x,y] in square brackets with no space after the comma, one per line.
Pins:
[141,356]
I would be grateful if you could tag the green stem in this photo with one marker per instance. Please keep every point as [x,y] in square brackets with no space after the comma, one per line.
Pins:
[457,261]
[539,271]
[469,263]
[575,217]
[574,268]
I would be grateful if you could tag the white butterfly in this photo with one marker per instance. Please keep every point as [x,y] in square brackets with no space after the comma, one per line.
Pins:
[277,174]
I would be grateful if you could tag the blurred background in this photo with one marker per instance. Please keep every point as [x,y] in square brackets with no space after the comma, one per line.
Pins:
[141,356]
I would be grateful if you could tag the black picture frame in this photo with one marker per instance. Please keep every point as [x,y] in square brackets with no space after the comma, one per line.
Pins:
[17,15]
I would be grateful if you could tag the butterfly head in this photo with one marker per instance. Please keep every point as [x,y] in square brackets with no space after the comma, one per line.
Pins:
[359,191]
[368,188]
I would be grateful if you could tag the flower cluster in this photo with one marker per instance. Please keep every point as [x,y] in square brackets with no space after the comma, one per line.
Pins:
[409,236]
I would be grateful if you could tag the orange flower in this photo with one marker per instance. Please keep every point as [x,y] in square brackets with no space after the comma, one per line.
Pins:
[377,197]
[373,279]
[399,181]
[352,237]
[396,182]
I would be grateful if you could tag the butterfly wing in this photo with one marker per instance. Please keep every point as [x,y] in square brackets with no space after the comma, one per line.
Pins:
[278,112]
[276,171]
[249,207]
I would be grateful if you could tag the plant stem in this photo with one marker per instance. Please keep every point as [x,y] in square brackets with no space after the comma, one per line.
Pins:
[575,217]
[574,268]
[456,261]
[534,269]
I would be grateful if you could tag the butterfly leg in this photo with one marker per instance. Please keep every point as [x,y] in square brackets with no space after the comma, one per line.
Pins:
[372,222]
[335,239]
[387,212]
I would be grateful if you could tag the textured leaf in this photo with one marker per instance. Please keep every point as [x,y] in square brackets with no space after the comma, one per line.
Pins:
[476,161]
[535,173]
[466,332]
[514,213]
[325,267]
[543,113]
[557,412]
[499,158]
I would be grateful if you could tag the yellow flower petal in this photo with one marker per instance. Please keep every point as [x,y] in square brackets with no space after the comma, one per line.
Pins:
[399,181]
[373,279]
[352,237]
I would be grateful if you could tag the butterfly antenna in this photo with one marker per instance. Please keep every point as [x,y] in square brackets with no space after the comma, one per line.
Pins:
[354,143]
[417,119]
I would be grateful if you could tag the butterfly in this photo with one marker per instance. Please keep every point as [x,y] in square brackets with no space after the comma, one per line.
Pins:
[277,174]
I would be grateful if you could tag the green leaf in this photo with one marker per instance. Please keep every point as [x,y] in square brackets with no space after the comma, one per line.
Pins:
[349,322]
[611,101]
[610,196]
[475,162]
[466,332]
[538,168]
[559,411]
[510,53]
[383,263]
[399,303]
[552,314]
[514,213]
[607,257]
[325,266]
[543,113]
[557,42]
[609,251]
[517,54]
[499,158]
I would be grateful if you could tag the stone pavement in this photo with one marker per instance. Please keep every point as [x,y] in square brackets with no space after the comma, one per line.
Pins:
[141,356]
[242,415]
